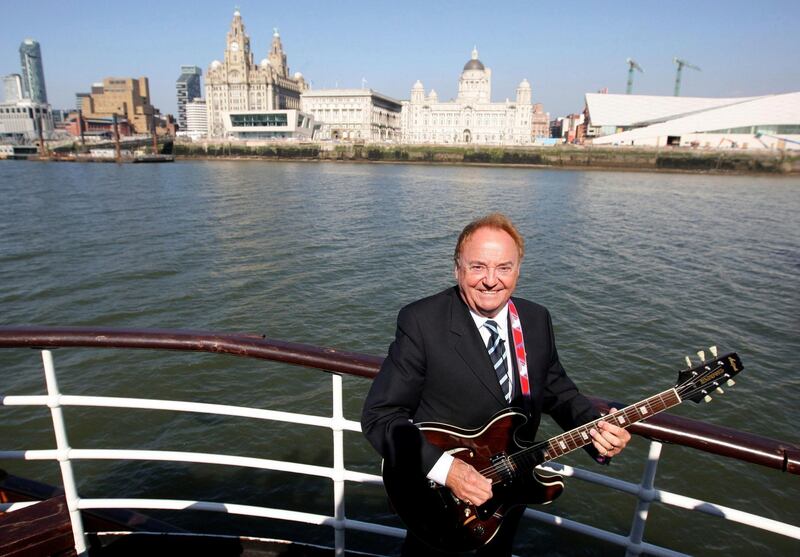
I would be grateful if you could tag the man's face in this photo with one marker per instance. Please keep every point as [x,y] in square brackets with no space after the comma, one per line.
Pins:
[487,270]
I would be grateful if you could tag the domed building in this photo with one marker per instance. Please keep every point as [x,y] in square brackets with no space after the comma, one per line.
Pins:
[472,117]
[241,93]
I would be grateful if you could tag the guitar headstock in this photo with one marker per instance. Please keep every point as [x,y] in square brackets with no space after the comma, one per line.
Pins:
[698,382]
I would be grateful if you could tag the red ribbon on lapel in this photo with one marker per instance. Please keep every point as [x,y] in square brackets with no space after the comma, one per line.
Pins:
[519,350]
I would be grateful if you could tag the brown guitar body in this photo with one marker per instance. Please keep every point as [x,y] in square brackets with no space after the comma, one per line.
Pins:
[445,522]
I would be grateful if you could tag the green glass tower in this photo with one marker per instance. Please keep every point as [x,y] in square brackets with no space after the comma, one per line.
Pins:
[30,56]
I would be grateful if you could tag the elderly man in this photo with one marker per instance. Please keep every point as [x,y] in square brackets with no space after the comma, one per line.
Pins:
[454,361]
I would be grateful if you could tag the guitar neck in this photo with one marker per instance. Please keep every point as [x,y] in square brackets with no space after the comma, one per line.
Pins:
[580,437]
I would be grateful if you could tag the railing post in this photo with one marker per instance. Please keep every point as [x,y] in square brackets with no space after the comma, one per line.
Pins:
[338,466]
[62,445]
[646,494]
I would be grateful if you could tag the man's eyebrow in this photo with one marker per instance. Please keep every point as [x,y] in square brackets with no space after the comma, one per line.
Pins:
[479,262]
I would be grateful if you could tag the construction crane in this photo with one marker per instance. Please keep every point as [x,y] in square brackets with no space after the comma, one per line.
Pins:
[681,64]
[631,66]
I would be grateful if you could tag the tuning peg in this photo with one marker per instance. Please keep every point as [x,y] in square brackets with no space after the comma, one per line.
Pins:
[730,382]
[688,362]
[720,391]
[707,398]
[702,355]
[713,350]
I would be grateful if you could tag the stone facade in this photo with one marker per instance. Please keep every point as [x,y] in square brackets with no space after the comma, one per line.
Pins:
[541,122]
[472,117]
[238,84]
[353,114]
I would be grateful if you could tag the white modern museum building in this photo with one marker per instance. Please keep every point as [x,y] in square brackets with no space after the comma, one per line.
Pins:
[762,122]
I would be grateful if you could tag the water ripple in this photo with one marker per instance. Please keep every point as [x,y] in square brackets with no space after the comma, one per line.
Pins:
[637,269]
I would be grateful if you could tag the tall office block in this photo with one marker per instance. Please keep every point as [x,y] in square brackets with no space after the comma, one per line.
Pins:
[12,87]
[30,57]
[196,118]
[187,88]
[79,100]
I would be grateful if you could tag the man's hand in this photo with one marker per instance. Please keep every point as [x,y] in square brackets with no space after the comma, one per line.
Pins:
[610,439]
[467,484]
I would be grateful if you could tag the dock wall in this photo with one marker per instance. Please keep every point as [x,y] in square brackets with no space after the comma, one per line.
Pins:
[565,156]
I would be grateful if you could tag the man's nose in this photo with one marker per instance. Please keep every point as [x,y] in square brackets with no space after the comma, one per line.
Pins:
[490,278]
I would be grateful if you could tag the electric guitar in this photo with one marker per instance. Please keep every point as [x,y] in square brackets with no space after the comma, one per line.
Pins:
[443,521]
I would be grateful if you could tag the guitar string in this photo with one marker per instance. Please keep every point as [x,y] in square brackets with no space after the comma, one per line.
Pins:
[629,413]
[494,472]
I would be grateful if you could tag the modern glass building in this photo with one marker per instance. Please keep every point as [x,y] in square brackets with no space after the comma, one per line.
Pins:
[30,56]
[268,124]
[187,88]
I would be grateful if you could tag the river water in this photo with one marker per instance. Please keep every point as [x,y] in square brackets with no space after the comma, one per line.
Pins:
[638,270]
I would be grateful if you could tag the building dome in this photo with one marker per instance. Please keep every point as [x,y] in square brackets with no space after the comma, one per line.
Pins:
[524,84]
[298,75]
[418,86]
[474,63]
[215,64]
[264,63]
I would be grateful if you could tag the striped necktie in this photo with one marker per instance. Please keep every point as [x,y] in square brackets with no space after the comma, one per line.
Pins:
[497,352]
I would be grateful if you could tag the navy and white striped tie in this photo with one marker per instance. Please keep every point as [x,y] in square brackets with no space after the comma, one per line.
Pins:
[497,352]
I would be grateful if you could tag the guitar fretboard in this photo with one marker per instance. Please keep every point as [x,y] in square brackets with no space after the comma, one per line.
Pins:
[579,437]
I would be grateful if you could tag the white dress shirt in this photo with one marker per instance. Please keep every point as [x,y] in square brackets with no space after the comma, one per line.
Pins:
[440,470]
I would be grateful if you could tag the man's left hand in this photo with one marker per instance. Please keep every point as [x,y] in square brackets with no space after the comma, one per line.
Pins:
[609,439]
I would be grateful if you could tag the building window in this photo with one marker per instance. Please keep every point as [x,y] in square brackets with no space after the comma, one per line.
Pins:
[253,120]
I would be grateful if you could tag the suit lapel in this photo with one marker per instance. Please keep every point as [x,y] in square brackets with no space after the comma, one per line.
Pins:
[469,346]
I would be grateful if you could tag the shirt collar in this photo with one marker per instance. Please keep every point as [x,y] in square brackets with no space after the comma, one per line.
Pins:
[501,319]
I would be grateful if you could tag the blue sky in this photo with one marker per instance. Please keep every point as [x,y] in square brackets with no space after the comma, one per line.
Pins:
[564,49]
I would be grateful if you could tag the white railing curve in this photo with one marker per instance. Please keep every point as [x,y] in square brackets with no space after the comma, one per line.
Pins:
[645,492]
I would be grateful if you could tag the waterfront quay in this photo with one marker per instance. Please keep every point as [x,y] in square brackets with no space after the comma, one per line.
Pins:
[557,156]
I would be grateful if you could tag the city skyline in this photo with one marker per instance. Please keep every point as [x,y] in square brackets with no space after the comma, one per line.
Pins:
[743,49]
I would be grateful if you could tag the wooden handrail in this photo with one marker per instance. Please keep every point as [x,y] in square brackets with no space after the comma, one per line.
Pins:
[662,427]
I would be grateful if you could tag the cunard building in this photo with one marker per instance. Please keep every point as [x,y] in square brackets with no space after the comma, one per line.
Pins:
[472,117]
[254,101]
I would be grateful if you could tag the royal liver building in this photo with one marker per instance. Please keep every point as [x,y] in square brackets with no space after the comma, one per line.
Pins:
[472,117]
[239,85]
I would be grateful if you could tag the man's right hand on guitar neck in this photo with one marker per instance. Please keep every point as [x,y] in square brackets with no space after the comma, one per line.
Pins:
[468,484]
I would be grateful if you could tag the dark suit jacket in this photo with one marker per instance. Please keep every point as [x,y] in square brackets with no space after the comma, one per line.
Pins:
[438,370]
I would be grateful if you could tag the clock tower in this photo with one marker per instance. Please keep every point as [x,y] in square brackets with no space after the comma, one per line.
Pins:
[239,87]
[237,50]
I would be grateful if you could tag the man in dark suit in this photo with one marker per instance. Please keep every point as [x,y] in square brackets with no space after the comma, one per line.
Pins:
[451,363]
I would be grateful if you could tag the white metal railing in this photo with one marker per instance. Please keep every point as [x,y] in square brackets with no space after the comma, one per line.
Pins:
[338,474]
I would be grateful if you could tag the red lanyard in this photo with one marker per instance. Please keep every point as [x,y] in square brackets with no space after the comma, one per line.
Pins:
[519,350]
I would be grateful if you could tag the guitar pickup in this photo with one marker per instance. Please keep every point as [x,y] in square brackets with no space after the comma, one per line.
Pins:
[503,466]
